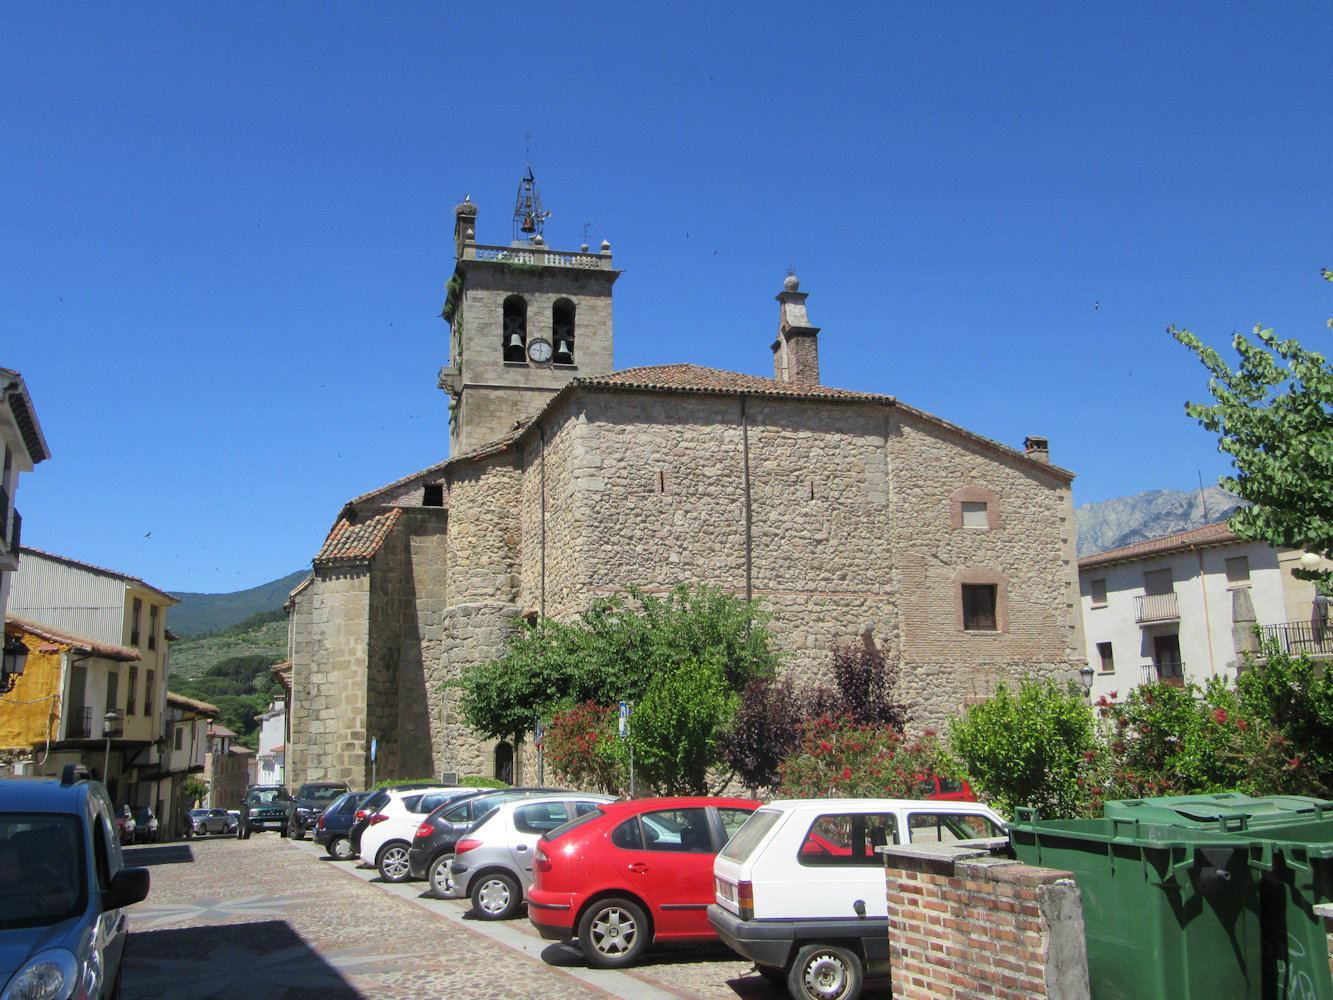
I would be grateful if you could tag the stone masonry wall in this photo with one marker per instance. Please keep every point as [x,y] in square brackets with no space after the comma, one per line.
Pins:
[300,647]
[482,599]
[964,923]
[336,692]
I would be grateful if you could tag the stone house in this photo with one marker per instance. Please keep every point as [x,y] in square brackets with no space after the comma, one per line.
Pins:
[848,513]
[1185,607]
[24,446]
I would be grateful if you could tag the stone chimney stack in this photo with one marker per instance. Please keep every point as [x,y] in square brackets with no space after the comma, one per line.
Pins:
[1038,449]
[796,351]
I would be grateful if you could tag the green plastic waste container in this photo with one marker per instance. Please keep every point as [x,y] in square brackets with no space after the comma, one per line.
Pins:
[1290,853]
[1168,912]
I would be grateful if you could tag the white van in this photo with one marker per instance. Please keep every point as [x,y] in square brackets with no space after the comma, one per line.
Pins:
[800,890]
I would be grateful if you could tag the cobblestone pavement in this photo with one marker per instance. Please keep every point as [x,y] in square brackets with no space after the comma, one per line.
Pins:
[271,919]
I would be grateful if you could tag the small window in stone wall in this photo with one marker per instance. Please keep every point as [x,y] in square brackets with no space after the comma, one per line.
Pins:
[975,507]
[662,481]
[432,495]
[974,514]
[979,607]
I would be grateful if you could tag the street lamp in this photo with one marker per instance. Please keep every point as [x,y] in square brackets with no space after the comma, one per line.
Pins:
[1085,675]
[110,728]
[15,658]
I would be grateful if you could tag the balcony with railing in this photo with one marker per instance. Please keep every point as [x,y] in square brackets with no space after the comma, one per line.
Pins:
[1152,608]
[1167,672]
[1315,638]
[534,255]
[80,723]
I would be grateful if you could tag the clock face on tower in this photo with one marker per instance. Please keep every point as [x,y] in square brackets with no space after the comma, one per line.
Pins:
[539,350]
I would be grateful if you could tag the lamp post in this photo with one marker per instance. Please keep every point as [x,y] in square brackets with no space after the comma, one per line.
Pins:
[15,658]
[110,728]
[1085,675]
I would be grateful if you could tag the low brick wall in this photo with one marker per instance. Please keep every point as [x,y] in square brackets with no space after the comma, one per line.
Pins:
[967,921]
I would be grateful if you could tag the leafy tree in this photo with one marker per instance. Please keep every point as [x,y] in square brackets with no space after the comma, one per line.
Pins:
[864,687]
[1274,416]
[674,728]
[193,791]
[841,758]
[1033,748]
[764,731]
[614,650]
[1293,698]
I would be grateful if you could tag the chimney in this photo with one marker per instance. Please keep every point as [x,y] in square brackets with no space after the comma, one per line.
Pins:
[1038,449]
[796,351]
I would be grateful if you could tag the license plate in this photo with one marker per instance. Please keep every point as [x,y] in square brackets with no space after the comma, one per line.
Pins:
[726,890]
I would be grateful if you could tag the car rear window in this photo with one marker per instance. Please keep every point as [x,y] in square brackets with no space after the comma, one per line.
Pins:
[747,838]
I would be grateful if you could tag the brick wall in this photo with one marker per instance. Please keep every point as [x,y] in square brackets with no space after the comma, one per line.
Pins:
[968,921]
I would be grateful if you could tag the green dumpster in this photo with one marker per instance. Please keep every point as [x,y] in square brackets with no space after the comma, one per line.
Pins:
[1167,912]
[1290,851]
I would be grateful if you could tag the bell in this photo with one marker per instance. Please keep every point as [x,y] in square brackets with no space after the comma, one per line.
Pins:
[515,341]
[529,225]
[564,354]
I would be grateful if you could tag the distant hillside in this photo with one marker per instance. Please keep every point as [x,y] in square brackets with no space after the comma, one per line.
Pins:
[192,656]
[209,612]
[1126,520]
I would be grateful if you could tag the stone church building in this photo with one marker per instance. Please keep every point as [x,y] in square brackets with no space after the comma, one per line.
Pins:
[845,512]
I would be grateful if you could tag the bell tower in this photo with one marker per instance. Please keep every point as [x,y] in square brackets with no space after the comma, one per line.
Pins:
[524,320]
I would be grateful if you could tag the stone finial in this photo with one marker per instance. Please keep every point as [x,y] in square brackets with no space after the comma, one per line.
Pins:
[792,283]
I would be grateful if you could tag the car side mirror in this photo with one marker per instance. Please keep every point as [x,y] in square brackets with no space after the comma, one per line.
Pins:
[129,885]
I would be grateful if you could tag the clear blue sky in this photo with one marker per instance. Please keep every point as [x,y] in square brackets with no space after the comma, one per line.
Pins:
[225,229]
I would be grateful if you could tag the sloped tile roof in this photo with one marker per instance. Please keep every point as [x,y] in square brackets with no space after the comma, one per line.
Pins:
[696,378]
[1210,534]
[202,707]
[79,643]
[349,543]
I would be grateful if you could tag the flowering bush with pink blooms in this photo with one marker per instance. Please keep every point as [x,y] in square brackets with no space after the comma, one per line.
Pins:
[840,758]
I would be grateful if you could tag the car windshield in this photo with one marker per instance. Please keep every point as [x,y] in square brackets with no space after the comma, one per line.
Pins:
[42,876]
[268,795]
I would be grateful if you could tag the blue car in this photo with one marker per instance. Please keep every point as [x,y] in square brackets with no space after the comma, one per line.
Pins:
[335,823]
[63,888]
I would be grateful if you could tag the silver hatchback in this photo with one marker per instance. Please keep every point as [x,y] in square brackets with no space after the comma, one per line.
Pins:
[493,862]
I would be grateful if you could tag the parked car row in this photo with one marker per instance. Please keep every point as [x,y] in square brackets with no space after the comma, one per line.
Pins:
[795,886]
[136,825]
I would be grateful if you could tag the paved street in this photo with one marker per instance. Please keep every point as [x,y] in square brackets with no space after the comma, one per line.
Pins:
[268,918]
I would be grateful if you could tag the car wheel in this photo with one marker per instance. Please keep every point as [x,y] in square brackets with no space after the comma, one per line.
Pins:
[613,933]
[393,863]
[340,849]
[824,972]
[441,879]
[496,896]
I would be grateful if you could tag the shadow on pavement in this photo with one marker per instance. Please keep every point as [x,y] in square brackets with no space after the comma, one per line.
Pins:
[267,958]
[159,854]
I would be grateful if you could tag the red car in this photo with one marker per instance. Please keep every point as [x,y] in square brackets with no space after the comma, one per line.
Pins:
[946,789]
[631,873]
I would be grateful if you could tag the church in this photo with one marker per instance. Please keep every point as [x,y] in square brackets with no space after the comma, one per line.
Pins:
[848,514]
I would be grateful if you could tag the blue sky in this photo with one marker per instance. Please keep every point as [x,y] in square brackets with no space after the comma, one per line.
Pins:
[225,229]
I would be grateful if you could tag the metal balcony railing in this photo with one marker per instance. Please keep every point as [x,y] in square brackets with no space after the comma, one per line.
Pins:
[1156,608]
[1167,672]
[1301,637]
[80,724]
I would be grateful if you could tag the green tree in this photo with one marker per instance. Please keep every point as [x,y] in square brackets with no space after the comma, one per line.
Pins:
[1034,748]
[613,651]
[1292,698]
[1274,416]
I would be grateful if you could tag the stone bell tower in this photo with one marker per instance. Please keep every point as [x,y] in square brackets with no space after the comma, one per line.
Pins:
[524,321]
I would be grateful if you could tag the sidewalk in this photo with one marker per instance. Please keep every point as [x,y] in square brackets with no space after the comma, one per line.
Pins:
[268,919]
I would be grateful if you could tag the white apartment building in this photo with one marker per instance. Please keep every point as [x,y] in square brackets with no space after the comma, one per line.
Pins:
[1184,607]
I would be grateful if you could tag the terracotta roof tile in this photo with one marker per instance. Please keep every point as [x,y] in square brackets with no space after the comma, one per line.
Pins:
[348,542]
[1210,534]
[696,378]
[203,707]
[82,644]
